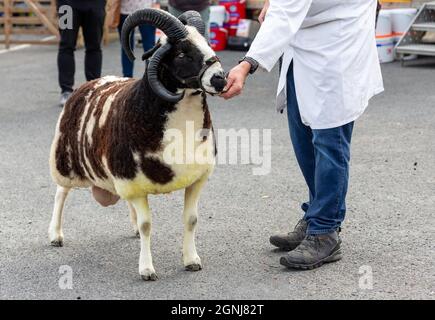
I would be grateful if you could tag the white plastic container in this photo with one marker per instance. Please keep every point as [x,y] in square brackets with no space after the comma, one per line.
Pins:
[385,46]
[217,16]
[384,27]
[401,19]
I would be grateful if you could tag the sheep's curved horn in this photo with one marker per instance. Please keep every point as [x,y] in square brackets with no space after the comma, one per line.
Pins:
[148,54]
[153,76]
[193,18]
[170,25]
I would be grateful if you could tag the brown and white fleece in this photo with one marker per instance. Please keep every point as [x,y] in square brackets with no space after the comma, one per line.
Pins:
[110,135]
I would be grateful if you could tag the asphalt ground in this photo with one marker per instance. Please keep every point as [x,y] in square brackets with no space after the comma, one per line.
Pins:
[388,236]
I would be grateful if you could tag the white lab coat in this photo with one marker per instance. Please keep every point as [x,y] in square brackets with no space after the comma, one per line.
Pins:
[333,46]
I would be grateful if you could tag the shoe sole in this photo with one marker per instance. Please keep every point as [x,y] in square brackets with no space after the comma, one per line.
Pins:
[335,256]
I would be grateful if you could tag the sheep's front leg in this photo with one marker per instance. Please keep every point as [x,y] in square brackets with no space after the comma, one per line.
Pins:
[133,218]
[146,268]
[55,232]
[191,260]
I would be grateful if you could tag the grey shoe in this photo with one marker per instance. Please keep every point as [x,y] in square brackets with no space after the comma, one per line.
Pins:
[64,98]
[292,239]
[314,251]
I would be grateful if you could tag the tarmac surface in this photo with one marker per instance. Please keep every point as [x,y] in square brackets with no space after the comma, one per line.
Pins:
[388,236]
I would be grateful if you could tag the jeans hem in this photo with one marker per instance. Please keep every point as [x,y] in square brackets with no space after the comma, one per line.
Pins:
[323,231]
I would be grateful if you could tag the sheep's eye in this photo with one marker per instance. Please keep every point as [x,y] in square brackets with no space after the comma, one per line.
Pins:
[181,55]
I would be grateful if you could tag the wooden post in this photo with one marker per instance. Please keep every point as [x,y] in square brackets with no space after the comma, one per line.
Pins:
[7,22]
[106,24]
[53,12]
[50,26]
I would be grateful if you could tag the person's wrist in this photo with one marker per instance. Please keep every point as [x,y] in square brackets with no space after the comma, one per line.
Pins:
[253,64]
[245,66]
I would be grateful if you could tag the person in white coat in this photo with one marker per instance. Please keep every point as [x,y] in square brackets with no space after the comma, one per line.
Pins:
[329,71]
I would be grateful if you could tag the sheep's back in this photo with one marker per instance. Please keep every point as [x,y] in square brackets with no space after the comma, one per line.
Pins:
[81,139]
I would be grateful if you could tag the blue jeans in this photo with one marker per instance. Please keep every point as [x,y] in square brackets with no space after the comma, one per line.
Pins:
[148,34]
[323,156]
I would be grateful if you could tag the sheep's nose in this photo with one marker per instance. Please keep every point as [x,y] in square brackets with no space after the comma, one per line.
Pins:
[218,82]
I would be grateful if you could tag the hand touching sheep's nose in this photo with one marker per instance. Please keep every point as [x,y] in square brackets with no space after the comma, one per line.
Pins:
[236,80]
[218,82]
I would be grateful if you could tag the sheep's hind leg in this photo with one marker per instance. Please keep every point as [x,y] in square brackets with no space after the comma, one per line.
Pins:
[146,268]
[55,232]
[133,219]
[191,260]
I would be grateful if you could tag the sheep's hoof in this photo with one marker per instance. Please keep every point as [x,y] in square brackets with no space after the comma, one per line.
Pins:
[194,267]
[149,275]
[55,237]
[136,233]
[57,243]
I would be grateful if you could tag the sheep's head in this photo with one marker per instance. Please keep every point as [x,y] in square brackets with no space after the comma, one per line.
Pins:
[183,51]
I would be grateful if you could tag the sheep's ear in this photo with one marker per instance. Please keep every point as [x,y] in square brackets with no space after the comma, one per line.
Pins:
[147,54]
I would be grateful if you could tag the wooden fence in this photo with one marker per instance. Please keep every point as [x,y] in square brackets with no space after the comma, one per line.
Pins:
[31,17]
[35,17]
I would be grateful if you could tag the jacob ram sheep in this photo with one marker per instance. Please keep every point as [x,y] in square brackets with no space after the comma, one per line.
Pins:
[112,133]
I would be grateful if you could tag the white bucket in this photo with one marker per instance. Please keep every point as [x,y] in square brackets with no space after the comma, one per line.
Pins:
[401,19]
[385,46]
[217,15]
[384,27]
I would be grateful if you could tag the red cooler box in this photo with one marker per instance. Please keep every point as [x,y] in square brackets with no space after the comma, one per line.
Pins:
[236,10]
[218,37]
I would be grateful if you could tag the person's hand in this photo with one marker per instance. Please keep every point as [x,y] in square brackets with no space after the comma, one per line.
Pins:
[156,5]
[263,12]
[236,80]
